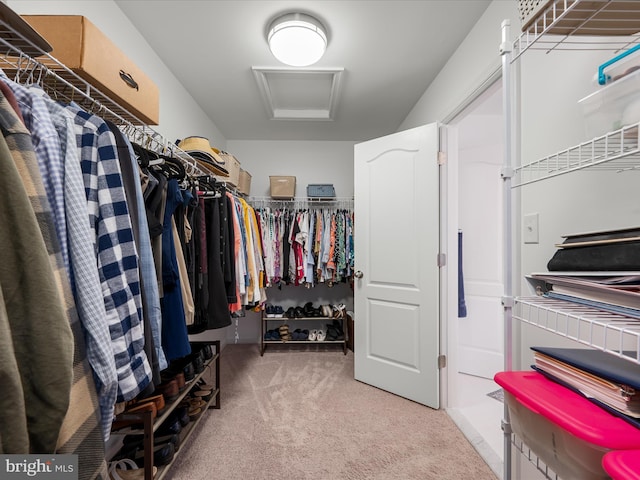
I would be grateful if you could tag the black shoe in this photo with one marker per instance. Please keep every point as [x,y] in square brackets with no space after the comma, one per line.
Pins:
[137,441]
[290,313]
[308,309]
[172,426]
[162,455]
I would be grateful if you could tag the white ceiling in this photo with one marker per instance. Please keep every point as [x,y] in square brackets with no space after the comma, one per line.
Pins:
[390,52]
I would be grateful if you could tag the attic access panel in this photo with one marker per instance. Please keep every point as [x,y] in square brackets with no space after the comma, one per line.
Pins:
[299,94]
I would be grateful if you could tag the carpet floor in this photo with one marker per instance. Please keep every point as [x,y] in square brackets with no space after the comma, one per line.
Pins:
[297,413]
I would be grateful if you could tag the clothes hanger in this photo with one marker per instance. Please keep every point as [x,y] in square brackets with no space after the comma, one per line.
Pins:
[142,155]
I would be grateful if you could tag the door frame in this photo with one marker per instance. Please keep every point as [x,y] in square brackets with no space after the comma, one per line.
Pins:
[448,233]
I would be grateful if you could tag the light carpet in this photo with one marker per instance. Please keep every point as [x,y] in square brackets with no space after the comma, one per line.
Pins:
[297,413]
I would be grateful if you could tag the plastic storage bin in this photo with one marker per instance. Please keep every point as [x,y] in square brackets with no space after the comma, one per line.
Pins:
[321,190]
[614,106]
[622,464]
[567,432]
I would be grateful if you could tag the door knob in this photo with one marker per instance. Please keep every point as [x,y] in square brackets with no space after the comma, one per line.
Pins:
[359,274]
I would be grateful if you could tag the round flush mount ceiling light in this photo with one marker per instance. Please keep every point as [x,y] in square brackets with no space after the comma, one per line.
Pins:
[297,39]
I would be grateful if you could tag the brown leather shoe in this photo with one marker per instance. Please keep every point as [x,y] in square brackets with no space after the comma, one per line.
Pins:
[169,389]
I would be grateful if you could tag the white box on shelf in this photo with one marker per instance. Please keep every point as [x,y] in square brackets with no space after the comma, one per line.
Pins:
[614,106]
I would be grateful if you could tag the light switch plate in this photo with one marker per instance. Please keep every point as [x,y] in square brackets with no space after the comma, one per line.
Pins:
[530,228]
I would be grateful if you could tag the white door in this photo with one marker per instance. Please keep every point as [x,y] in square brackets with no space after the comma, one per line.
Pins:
[397,245]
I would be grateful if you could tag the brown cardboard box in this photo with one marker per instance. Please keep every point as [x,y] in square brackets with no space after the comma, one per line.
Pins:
[282,186]
[244,185]
[232,164]
[79,45]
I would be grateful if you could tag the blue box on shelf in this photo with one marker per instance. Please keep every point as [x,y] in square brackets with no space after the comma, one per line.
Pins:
[321,190]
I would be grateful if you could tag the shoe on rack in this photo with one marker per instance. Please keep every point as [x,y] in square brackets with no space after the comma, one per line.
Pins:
[313,335]
[320,335]
[339,311]
[278,311]
[332,333]
[326,311]
[308,309]
[291,312]
[134,442]
[162,454]
[338,326]
[269,311]
[299,312]
[127,469]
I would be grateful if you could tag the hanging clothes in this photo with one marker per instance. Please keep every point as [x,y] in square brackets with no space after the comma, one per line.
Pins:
[116,253]
[308,246]
[78,433]
[218,315]
[24,276]
[175,340]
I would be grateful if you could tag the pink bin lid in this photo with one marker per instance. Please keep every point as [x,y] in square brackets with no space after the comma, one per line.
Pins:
[569,410]
[622,465]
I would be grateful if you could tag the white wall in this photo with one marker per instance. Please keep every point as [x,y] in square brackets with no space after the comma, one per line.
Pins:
[180,115]
[475,59]
[309,162]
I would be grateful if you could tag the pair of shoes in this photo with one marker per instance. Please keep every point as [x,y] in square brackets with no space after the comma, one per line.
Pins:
[127,469]
[300,334]
[272,335]
[327,311]
[335,331]
[284,332]
[274,311]
[136,408]
[317,335]
[310,311]
[339,311]
[196,407]
[132,442]
[162,453]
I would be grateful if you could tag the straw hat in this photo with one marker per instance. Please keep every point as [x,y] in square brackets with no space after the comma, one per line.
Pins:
[200,149]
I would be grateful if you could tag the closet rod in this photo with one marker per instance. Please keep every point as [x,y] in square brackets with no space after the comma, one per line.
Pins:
[55,77]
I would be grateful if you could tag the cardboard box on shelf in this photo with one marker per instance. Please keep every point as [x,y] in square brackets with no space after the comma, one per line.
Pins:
[84,49]
[232,164]
[244,185]
[282,186]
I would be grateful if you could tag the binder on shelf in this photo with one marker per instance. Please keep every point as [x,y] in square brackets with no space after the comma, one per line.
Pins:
[597,375]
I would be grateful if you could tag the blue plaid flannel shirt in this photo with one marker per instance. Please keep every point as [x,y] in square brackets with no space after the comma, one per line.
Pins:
[116,250]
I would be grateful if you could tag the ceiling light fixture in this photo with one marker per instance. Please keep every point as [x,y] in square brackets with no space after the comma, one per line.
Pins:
[297,39]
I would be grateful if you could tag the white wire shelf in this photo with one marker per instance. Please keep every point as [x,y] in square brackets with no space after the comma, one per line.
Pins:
[616,151]
[606,331]
[610,25]
[527,453]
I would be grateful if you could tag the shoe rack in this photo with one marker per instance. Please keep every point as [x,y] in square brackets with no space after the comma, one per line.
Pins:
[270,323]
[143,422]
